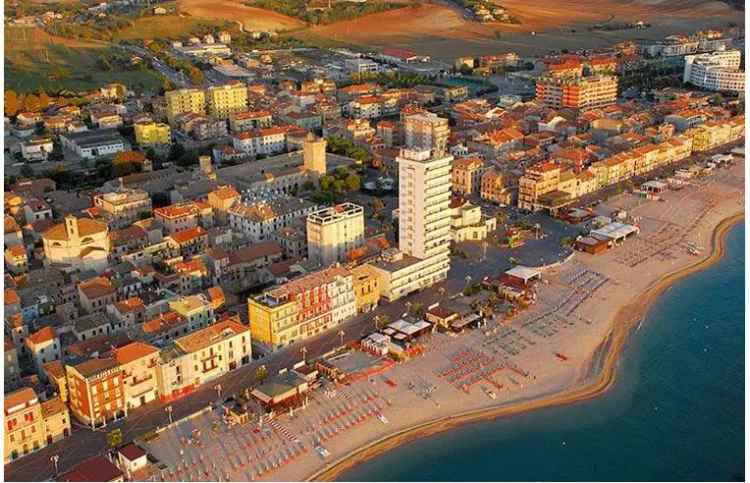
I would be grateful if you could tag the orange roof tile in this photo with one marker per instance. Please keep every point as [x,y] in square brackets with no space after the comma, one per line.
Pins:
[133,351]
[45,334]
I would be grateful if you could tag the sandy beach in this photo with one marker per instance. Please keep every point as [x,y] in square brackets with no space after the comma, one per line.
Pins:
[586,311]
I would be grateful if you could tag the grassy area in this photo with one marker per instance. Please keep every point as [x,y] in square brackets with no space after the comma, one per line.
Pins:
[44,62]
[171,26]
[338,12]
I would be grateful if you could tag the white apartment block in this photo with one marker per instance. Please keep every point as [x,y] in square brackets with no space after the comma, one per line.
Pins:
[333,231]
[717,71]
[259,219]
[266,141]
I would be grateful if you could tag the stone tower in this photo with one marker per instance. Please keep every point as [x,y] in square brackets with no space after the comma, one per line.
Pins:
[314,154]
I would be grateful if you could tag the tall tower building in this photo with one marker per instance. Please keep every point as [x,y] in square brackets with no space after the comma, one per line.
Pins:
[314,154]
[426,131]
[333,231]
[423,202]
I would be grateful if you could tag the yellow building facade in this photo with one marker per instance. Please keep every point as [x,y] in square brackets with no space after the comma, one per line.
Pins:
[185,100]
[152,133]
[366,288]
[224,100]
[272,318]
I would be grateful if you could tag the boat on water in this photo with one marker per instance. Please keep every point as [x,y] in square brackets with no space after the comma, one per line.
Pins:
[322,451]
[492,395]
[382,418]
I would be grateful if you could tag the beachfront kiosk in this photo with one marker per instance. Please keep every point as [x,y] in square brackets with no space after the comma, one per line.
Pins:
[523,275]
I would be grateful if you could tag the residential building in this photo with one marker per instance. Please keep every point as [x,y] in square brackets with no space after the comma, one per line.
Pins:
[366,285]
[361,66]
[178,217]
[96,391]
[80,243]
[712,134]
[24,424]
[139,364]
[125,205]
[249,120]
[303,307]
[200,357]
[150,133]
[98,468]
[56,420]
[36,149]
[583,93]
[226,99]
[468,223]
[333,231]
[96,294]
[44,347]
[260,218]
[715,71]
[185,100]
[265,141]
[16,259]
[221,199]
[495,187]
[195,309]
[467,175]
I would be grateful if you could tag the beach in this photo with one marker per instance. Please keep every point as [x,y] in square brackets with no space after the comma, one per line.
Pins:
[562,350]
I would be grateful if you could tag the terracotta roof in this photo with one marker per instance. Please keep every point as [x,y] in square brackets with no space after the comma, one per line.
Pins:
[467,163]
[203,338]
[53,406]
[11,297]
[163,323]
[133,351]
[130,305]
[96,287]
[225,192]
[93,367]
[176,211]
[253,252]
[86,227]
[42,335]
[18,397]
[54,369]
[310,281]
[185,236]
[17,251]
[10,224]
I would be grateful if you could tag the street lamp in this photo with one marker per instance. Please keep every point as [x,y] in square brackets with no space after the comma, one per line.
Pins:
[304,354]
[341,337]
[168,409]
[54,459]
[218,390]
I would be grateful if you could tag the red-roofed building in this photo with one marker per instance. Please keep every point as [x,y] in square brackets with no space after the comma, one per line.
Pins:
[44,346]
[139,363]
[98,468]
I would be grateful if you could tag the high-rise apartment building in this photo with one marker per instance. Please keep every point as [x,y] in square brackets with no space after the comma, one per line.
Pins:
[185,100]
[715,71]
[226,99]
[333,231]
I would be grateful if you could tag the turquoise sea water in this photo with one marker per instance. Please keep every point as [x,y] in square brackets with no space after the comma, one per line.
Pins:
[675,413]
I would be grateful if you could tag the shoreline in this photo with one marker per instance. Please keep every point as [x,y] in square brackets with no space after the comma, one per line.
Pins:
[621,325]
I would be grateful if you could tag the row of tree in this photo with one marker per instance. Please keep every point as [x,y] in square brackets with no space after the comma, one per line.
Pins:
[15,103]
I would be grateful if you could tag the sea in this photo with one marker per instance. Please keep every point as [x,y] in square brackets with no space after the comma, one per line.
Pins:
[675,413]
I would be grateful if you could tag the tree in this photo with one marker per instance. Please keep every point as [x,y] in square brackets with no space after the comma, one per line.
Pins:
[261,374]
[352,182]
[339,186]
[114,438]
[326,182]
[44,99]
[31,103]
[308,185]
[12,103]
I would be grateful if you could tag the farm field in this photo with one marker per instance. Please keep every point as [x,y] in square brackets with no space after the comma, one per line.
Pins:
[251,18]
[36,60]
[171,26]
